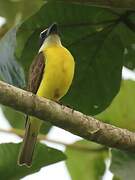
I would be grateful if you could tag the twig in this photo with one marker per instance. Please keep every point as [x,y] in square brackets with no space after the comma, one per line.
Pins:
[41,137]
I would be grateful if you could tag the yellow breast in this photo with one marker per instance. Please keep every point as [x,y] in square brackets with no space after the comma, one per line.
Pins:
[58,74]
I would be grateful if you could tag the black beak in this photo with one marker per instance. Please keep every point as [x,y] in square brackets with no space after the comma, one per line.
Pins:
[53,29]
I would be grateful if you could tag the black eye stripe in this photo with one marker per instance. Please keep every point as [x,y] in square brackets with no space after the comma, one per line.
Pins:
[42,36]
[43,33]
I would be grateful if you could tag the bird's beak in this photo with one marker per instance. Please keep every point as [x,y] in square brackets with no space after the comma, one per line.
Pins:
[53,29]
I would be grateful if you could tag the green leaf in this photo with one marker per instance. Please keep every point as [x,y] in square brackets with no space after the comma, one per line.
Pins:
[30,29]
[97,50]
[97,77]
[10,70]
[123,165]
[116,178]
[127,37]
[45,128]
[15,11]
[86,165]
[119,5]
[15,118]
[43,156]
[121,112]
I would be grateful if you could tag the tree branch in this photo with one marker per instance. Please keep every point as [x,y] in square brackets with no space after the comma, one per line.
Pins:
[64,117]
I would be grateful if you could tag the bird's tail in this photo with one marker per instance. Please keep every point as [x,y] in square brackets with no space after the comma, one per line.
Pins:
[29,142]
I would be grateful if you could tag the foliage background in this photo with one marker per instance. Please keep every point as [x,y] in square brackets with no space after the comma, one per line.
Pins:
[102,40]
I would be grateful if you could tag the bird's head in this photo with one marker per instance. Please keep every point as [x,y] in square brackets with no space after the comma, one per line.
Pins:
[50,35]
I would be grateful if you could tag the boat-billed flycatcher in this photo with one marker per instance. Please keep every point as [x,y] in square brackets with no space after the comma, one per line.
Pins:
[50,76]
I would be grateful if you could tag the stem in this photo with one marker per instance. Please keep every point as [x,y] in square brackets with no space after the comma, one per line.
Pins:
[41,137]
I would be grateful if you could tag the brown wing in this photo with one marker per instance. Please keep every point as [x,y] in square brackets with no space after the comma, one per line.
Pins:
[35,73]
[34,79]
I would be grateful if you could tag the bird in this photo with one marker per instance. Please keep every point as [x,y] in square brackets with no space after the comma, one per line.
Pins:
[50,76]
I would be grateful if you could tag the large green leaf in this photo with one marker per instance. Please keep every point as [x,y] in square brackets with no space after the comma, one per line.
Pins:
[10,70]
[15,118]
[50,12]
[127,37]
[123,165]
[15,11]
[9,170]
[116,178]
[86,165]
[97,50]
[98,72]
[120,4]
[121,112]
